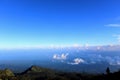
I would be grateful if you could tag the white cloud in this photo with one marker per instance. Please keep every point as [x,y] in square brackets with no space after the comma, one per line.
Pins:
[60,57]
[77,61]
[118,37]
[118,62]
[113,60]
[113,25]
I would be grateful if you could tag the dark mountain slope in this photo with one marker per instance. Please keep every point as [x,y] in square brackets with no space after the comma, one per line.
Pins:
[39,73]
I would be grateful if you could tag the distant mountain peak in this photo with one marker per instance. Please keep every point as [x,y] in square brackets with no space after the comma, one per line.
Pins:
[35,69]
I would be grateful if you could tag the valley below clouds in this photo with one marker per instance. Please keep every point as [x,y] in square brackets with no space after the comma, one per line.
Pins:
[73,59]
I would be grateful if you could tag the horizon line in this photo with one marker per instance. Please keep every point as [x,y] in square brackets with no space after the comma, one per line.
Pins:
[55,46]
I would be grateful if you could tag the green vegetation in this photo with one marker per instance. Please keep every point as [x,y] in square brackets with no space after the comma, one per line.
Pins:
[39,73]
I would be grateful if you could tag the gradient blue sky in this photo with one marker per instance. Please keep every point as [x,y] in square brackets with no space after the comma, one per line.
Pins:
[59,22]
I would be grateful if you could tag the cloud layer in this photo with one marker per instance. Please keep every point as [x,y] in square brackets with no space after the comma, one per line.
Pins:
[77,61]
[113,25]
[60,57]
[118,37]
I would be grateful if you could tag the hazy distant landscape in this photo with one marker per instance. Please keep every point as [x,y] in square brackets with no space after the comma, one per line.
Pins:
[70,59]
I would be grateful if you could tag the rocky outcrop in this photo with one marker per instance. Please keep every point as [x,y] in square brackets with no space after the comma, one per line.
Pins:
[6,72]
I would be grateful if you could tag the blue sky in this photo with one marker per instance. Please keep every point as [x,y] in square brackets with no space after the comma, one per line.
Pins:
[59,22]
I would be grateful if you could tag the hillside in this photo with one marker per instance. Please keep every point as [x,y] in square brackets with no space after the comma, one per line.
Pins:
[39,73]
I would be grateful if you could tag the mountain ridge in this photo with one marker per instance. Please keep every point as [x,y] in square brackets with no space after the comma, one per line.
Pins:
[39,73]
